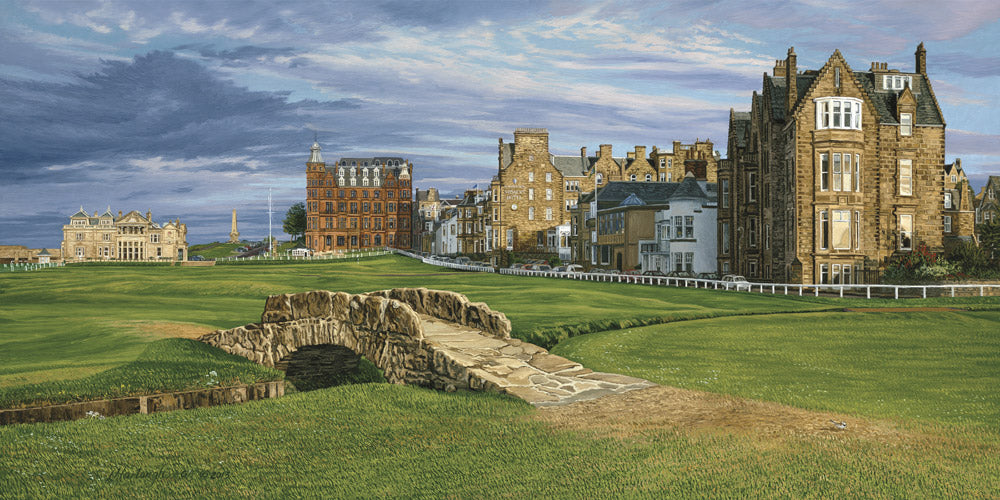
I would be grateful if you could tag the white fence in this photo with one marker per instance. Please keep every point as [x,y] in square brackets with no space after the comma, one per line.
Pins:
[286,258]
[451,265]
[880,291]
[11,268]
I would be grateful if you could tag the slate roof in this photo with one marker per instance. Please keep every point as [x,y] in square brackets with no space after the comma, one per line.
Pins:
[573,166]
[632,201]
[652,193]
[885,100]
[741,125]
[689,188]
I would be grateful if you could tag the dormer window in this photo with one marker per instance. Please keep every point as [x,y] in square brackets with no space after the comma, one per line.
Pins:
[896,82]
[838,113]
[906,124]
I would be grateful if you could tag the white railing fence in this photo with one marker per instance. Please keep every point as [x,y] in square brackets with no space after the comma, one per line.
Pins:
[857,290]
[336,256]
[450,265]
[12,268]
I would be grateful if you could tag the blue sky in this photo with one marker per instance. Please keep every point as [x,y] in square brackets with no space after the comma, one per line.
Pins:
[192,109]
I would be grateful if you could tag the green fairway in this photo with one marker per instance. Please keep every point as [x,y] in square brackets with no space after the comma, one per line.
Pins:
[379,440]
[84,332]
[937,366]
[74,322]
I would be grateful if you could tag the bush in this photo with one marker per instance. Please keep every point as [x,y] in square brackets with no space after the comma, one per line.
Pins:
[970,259]
[919,266]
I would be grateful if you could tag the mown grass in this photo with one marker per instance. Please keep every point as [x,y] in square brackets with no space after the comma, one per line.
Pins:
[74,322]
[940,367]
[931,373]
[177,364]
[380,440]
[215,250]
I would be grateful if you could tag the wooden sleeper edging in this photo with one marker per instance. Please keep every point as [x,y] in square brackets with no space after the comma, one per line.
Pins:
[153,403]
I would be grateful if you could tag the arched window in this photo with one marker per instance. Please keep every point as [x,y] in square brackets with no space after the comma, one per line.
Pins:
[377,182]
[354,181]
[649,177]
[600,178]
[364,181]
[632,178]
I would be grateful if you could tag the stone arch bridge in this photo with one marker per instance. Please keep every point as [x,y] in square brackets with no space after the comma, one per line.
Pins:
[416,336]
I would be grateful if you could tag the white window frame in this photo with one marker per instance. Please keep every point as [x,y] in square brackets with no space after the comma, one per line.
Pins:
[824,171]
[906,124]
[725,193]
[947,200]
[751,186]
[531,175]
[531,213]
[548,176]
[838,113]
[841,224]
[906,235]
[531,193]
[632,178]
[947,223]
[838,173]
[905,177]
[548,194]
[857,172]
[896,82]
[824,230]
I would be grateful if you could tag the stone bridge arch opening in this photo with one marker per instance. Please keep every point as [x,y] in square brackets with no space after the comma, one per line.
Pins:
[312,367]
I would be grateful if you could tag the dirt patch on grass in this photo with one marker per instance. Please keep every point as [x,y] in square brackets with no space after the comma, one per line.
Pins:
[167,329]
[636,413]
[901,309]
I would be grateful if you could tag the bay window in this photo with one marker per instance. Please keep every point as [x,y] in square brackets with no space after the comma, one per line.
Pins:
[838,113]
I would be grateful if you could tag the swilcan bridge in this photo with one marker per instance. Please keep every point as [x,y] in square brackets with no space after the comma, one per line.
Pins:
[416,336]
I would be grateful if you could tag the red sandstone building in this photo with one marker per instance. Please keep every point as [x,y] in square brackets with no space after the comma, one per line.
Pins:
[357,203]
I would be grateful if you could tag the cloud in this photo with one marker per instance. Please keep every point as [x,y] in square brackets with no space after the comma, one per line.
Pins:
[963,142]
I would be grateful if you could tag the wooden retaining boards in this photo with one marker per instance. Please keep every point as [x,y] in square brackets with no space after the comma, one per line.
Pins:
[154,403]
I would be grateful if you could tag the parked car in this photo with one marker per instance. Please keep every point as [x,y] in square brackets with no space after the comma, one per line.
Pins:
[574,268]
[560,269]
[633,272]
[196,258]
[613,271]
[462,260]
[653,273]
[681,274]
[708,276]
[737,282]
[597,270]
[543,267]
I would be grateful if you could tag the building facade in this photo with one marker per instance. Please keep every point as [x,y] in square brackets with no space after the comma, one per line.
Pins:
[685,231]
[129,237]
[831,172]
[357,203]
[535,192]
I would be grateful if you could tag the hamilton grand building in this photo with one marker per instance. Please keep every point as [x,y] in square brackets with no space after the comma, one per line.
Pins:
[357,203]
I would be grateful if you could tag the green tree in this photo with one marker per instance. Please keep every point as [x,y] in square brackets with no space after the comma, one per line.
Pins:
[295,221]
[989,238]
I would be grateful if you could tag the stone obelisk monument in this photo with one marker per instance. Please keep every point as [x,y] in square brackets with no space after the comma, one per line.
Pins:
[234,234]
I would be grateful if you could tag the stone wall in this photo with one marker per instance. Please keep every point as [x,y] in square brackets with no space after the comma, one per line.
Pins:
[384,327]
[454,307]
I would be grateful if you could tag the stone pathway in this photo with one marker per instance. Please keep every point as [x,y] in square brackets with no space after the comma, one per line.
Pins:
[522,369]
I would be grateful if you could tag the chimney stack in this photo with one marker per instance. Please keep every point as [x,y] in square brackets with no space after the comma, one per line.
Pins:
[921,56]
[791,87]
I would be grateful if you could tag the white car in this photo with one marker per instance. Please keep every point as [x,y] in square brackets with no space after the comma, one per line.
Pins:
[738,282]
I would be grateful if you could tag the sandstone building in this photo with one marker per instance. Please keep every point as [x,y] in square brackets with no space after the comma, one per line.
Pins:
[132,236]
[357,203]
[532,197]
[831,172]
